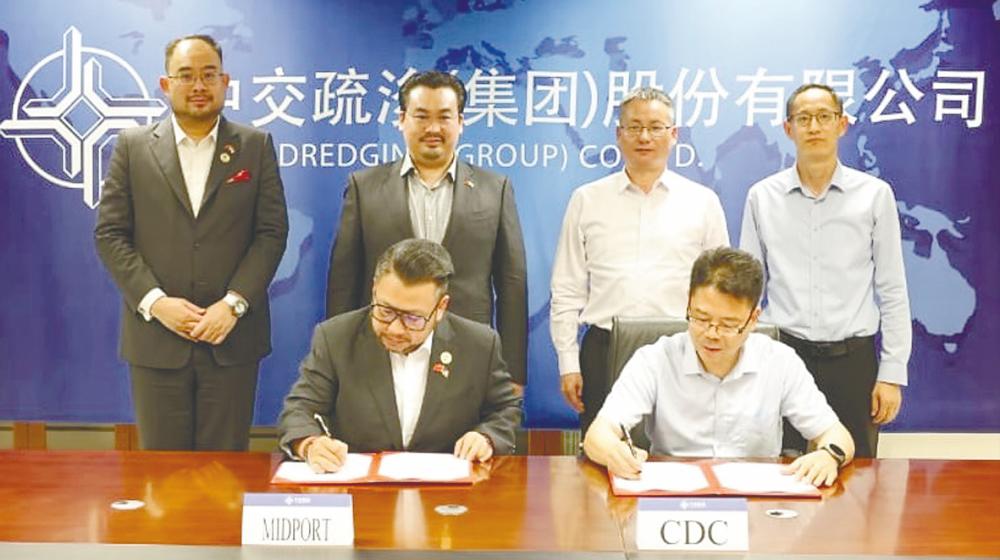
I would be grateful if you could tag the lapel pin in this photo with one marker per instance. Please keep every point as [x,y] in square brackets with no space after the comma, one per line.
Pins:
[224,157]
[469,183]
[446,358]
[441,369]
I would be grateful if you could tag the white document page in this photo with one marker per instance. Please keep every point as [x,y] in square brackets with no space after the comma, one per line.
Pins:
[355,467]
[760,478]
[670,477]
[423,466]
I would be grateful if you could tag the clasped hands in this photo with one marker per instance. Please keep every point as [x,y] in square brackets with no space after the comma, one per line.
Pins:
[325,454]
[197,324]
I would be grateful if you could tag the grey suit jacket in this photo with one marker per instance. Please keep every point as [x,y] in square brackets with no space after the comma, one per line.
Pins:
[483,238]
[147,236]
[347,378]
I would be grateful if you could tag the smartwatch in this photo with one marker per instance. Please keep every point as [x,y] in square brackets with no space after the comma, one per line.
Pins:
[836,452]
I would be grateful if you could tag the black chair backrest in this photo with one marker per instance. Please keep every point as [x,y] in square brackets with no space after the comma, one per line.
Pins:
[628,334]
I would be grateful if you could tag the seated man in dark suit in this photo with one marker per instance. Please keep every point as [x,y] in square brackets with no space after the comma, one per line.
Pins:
[402,373]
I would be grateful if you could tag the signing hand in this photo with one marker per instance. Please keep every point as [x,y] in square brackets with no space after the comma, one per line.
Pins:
[216,324]
[887,398]
[473,446]
[325,454]
[622,463]
[818,468]
[572,390]
[177,314]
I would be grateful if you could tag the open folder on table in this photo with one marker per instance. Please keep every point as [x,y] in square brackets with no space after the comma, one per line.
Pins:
[387,467]
[713,478]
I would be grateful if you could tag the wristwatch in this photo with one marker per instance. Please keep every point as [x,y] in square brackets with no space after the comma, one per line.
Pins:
[836,452]
[236,303]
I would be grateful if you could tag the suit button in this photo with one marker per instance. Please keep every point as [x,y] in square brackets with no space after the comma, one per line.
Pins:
[197,246]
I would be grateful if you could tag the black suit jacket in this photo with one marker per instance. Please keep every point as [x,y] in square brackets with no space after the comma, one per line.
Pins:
[347,377]
[483,238]
[147,237]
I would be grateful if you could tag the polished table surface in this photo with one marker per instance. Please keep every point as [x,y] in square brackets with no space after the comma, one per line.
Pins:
[542,504]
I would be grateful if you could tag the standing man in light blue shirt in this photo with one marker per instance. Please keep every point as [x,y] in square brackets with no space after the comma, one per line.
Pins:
[717,390]
[829,237]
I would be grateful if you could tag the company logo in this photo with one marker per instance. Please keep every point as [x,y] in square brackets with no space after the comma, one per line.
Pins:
[81,118]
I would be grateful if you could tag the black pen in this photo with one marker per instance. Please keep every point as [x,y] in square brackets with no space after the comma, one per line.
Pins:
[628,439]
[322,424]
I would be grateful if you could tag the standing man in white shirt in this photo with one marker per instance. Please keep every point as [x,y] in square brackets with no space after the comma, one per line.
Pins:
[192,225]
[829,237]
[627,245]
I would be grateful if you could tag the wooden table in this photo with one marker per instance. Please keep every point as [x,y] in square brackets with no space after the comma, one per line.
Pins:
[888,507]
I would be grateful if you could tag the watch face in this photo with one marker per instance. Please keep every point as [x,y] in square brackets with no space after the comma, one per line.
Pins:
[836,449]
[240,308]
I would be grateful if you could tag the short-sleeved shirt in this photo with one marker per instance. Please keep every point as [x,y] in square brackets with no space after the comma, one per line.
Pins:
[690,412]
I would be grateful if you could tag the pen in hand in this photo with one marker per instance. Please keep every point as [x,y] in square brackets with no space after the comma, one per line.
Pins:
[627,438]
[322,424]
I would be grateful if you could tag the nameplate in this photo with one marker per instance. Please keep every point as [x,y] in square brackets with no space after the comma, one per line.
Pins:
[298,519]
[692,524]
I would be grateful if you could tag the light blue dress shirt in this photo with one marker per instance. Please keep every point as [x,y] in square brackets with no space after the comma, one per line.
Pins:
[696,414]
[833,263]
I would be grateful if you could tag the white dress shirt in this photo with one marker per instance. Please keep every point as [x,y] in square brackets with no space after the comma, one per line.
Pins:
[834,262]
[196,162]
[409,382]
[623,252]
[694,413]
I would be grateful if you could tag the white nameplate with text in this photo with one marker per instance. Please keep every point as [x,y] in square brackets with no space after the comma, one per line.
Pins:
[692,524]
[298,519]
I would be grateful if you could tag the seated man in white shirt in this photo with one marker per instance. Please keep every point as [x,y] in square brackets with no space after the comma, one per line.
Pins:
[402,374]
[718,390]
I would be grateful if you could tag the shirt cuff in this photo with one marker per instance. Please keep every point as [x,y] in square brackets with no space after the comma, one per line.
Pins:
[147,301]
[569,362]
[890,372]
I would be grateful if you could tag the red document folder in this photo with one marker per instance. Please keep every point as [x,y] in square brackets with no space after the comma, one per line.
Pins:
[382,468]
[713,477]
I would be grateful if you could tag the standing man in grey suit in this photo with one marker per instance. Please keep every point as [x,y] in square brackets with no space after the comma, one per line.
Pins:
[402,374]
[191,225]
[430,194]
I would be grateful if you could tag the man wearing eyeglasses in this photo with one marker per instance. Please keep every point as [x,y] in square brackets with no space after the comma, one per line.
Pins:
[192,225]
[431,194]
[626,248]
[829,237]
[402,373]
[719,390]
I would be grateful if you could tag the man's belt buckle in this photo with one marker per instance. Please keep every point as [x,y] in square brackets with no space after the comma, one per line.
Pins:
[829,349]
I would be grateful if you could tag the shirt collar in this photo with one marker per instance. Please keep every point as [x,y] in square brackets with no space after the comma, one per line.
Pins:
[624,182]
[408,166]
[748,362]
[795,182]
[180,135]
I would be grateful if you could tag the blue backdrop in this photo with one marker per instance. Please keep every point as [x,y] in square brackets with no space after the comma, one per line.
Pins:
[544,81]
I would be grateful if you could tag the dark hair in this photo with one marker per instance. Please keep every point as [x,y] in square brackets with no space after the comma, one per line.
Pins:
[432,79]
[806,87]
[415,261]
[731,271]
[206,38]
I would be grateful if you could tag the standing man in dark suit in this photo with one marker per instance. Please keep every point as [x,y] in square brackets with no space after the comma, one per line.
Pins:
[430,194]
[192,225]
[402,374]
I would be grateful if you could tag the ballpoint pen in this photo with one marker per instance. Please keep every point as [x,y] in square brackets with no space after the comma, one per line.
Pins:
[326,431]
[628,439]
